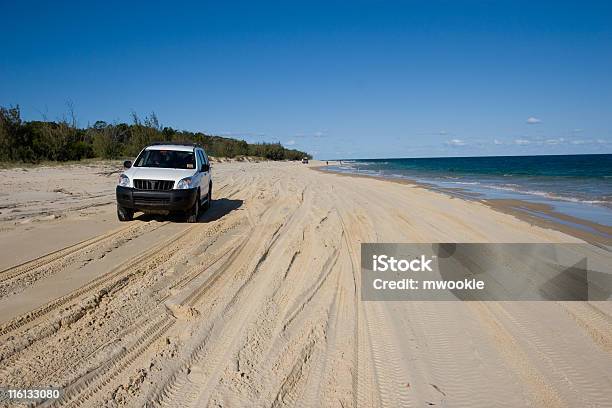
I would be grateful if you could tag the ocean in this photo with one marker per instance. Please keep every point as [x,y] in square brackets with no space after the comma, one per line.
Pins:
[576,185]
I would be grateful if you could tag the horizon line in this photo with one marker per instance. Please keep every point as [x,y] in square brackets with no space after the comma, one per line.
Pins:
[470,157]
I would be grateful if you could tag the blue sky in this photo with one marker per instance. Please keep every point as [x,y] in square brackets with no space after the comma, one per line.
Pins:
[338,79]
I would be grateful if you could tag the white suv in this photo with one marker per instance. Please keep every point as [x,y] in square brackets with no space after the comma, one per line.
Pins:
[166,177]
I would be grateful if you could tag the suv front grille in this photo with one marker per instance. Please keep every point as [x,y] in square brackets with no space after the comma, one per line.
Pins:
[147,201]
[157,185]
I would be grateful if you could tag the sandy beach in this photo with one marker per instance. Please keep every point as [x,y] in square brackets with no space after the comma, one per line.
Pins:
[258,303]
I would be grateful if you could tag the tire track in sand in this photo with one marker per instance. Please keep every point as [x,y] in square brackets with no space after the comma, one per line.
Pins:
[25,267]
[362,357]
[116,278]
[596,323]
[197,377]
[539,390]
[558,357]
[155,257]
[391,377]
[81,392]
[153,329]
[130,267]
[86,388]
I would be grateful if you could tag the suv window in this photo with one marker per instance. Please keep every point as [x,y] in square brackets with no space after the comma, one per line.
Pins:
[201,158]
[167,159]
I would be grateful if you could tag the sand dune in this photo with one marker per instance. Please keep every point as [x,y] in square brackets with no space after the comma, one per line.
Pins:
[258,304]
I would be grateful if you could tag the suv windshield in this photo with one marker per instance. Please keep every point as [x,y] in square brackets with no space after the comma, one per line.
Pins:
[168,159]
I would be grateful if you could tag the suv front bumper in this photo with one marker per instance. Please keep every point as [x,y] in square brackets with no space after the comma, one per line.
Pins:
[171,200]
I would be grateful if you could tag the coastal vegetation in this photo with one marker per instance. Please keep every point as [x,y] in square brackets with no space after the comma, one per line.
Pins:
[63,140]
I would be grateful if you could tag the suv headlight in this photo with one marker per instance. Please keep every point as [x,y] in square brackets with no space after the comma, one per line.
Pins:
[124,181]
[184,183]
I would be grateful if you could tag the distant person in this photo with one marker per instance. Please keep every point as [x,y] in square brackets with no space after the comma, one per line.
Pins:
[326,162]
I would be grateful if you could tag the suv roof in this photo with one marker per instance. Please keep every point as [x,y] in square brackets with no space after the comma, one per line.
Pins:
[177,147]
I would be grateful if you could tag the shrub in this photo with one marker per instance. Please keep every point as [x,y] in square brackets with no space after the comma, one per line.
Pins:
[41,140]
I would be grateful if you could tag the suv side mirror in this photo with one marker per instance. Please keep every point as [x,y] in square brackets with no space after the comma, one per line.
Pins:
[205,167]
[127,164]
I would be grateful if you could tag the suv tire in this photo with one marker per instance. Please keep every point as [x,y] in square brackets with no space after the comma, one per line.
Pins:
[125,214]
[194,212]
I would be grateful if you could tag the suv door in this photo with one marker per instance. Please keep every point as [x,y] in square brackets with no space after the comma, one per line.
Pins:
[205,175]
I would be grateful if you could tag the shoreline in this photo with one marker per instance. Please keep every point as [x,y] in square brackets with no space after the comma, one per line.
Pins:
[541,215]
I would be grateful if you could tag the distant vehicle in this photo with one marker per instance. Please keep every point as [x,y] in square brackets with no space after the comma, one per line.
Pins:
[168,178]
[305,160]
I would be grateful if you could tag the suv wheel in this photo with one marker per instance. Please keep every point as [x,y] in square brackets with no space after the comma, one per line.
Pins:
[125,214]
[194,212]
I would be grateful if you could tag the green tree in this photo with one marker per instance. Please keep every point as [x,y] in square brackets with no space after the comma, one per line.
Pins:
[34,141]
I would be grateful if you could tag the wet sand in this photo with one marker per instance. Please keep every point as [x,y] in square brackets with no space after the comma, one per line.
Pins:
[539,214]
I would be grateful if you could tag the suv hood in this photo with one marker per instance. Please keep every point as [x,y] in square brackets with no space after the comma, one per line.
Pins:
[154,173]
